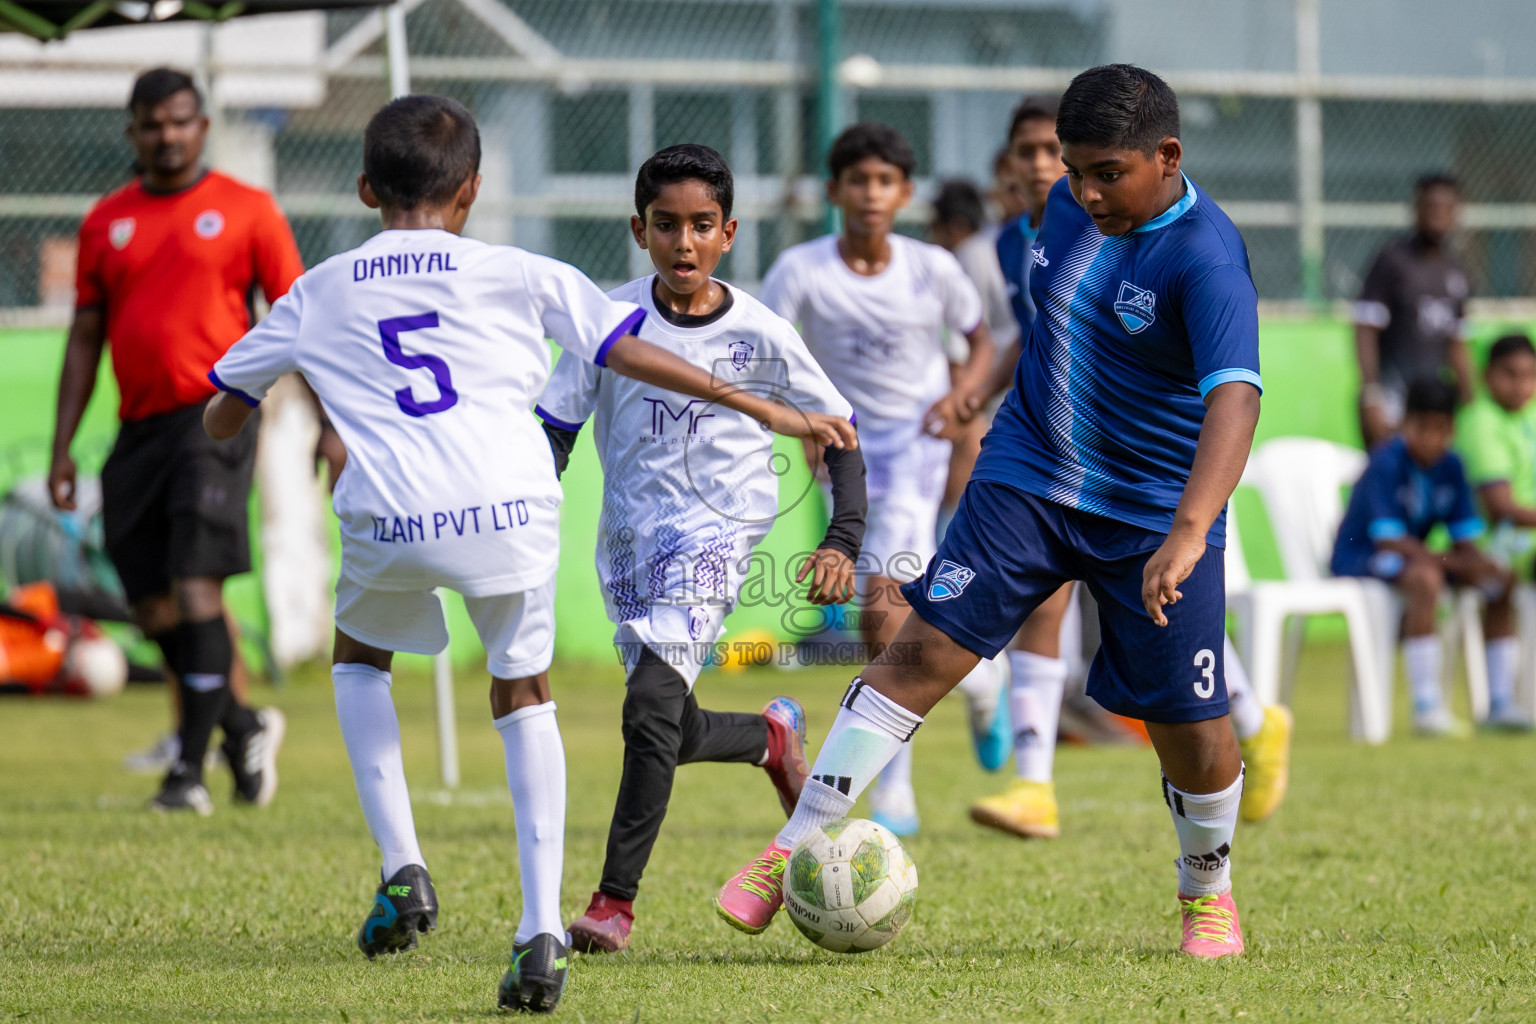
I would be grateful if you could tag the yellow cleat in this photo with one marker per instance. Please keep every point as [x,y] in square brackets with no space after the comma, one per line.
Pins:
[1267,754]
[1027,809]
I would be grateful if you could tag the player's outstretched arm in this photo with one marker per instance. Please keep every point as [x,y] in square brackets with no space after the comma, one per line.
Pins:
[224,415]
[1231,413]
[655,365]
[77,381]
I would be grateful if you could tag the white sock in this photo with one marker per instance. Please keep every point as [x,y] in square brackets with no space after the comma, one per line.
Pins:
[372,735]
[1503,653]
[536,777]
[869,731]
[1035,699]
[895,782]
[1421,656]
[1244,707]
[982,685]
[1205,823]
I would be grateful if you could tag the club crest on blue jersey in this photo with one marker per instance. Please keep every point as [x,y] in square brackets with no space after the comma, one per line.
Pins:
[741,352]
[1136,307]
[949,580]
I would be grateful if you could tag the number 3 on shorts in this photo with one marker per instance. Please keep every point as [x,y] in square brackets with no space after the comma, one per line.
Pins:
[1205,661]
[390,331]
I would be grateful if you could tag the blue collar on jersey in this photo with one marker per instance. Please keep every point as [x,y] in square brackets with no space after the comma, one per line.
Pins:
[1173,212]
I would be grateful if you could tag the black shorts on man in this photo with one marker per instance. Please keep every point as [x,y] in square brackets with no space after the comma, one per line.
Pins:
[175,502]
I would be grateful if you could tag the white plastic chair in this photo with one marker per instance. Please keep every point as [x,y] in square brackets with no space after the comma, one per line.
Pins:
[1265,608]
[1301,482]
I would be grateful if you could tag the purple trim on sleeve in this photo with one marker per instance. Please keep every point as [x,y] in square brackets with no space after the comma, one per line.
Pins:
[544,415]
[853,418]
[630,325]
[213,379]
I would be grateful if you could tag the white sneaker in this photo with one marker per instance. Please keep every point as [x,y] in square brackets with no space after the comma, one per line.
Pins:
[1440,722]
[157,758]
[1508,719]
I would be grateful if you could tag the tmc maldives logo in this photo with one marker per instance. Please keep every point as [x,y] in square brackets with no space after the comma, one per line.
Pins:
[949,580]
[1136,307]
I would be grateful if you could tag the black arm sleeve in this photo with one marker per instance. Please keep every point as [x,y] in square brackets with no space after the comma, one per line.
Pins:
[561,442]
[850,503]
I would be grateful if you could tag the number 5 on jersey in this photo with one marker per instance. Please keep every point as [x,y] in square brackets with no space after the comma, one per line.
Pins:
[390,331]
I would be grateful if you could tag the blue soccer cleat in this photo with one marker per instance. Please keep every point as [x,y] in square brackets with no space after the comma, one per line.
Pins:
[986,698]
[403,907]
[895,811]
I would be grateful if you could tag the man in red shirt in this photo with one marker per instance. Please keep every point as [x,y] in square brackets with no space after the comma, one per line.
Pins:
[167,267]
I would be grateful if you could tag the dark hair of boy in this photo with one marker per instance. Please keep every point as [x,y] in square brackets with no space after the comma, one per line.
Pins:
[686,162]
[1511,345]
[420,149]
[1439,180]
[157,85]
[960,202]
[1118,106]
[869,138]
[1429,396]
[1033,108]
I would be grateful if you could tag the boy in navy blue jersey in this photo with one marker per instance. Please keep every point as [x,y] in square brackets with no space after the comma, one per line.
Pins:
[1414,483]
[1110,462]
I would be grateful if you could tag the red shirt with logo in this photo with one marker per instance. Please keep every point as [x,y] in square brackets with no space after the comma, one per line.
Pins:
[175,274]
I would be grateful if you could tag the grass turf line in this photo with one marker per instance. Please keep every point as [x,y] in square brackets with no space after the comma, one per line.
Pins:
[1394,884]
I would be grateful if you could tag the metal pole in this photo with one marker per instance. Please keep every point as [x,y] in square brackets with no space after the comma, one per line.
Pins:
[447,727]
[399,64]
[1309,151]
[828,100]
[397,51]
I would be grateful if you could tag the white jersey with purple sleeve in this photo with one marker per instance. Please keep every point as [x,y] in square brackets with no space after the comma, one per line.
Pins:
[690,487]
[881,338]
[427,351]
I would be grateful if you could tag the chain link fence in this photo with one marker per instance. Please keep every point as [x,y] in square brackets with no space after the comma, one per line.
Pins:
[573,94]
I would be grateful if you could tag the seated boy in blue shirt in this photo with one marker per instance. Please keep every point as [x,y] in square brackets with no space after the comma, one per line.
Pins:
[1413,484]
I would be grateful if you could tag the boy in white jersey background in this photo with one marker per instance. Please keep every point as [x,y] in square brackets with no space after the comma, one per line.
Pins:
[1144,293]
[690,489]
[873,307]
[427,350]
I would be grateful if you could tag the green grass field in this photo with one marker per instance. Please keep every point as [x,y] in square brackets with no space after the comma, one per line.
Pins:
[1395,883]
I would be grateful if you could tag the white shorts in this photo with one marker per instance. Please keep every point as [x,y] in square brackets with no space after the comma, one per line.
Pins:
[681,635]
[518,630]
[906,487]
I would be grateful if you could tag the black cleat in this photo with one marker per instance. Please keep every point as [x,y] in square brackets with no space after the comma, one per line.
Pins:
[404,907]
[182,790]
[536,978]
[253,758]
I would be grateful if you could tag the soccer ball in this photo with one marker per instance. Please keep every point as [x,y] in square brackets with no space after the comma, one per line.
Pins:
[851,886]
[94,666]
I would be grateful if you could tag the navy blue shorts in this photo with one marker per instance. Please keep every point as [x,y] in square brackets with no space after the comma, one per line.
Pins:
[1006,551]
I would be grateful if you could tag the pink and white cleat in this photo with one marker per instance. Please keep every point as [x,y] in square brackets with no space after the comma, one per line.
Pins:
[1211,928]
[750,899]
[786,765]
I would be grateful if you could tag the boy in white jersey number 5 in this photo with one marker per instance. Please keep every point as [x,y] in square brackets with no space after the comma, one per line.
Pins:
[427,350]
[1111,461]
[690,488]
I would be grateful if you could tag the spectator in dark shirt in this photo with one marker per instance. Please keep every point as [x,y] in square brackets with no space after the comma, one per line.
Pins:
[1410,320]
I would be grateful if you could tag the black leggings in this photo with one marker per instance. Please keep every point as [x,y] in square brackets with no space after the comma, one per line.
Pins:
[663,728]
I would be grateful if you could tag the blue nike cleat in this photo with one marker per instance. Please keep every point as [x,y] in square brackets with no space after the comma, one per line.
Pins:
[536,979]
[403,907]
[985,690]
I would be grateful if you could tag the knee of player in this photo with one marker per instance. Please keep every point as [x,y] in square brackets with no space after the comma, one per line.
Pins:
[1423,579]
[509,695]
[198,598]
